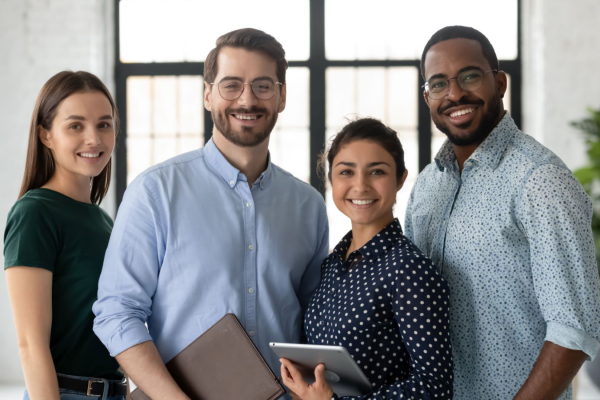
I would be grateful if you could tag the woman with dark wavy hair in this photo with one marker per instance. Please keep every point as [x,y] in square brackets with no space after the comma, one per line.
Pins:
[55,239]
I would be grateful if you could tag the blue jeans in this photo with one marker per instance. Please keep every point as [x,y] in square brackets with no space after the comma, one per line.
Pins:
[71,395]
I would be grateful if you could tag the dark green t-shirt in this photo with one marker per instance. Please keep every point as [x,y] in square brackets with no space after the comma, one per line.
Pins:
[46,229]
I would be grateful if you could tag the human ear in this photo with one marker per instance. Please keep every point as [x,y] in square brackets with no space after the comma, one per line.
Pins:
[402,180]
[283,98]
[207,96]
[501,83]
[426,98]
[45,137]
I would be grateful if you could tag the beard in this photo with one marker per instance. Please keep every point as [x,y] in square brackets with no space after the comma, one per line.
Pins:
[488,122]
[245,137]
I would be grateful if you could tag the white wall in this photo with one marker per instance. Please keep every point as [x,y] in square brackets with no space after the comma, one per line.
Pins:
[561,61]
[39,38]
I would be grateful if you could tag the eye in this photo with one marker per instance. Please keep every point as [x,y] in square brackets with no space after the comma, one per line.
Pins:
[104,125]
[75,126]
[378,172]
[346,172]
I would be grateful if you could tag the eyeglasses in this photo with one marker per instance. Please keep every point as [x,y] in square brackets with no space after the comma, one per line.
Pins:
[232,89]
[470,80]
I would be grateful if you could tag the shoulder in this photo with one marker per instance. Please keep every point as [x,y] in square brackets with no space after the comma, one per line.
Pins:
[410,258]
[524,150]
[32,204]
[295,187]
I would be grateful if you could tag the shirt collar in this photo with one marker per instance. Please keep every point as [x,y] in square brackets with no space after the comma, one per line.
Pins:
[376,247]
[489,152]
[228,172]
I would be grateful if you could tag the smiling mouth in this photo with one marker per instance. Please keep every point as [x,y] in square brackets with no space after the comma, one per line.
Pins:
[362,202]
[90,155]
[247,117]
[462,112]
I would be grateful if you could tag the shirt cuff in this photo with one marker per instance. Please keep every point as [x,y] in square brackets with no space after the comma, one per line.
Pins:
[127,336]
[572,338]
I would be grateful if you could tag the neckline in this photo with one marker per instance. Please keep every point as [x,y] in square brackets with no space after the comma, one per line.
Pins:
[54,192]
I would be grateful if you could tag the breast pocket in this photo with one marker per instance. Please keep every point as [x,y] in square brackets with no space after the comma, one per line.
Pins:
[421,233]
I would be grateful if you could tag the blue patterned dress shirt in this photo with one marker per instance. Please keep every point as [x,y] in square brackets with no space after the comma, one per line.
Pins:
[193,242]
[512,237]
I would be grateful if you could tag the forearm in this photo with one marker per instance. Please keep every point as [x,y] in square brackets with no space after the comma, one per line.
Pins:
[554,369]
[145,367]
[39,371]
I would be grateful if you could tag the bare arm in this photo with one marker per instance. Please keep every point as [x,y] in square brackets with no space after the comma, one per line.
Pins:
[145,367]
[554,369]
[30,292]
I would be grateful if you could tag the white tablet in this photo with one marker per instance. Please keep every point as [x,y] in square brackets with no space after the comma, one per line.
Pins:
[341,371]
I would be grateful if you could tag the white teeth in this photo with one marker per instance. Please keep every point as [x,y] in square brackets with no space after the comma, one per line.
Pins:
[362,202]
[462,112]
[89,155]
[246,117]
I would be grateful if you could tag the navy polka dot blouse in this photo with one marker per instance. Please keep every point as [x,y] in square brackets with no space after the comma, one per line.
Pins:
[388,306]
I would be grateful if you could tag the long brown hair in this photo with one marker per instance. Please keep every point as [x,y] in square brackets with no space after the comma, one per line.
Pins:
[40,165]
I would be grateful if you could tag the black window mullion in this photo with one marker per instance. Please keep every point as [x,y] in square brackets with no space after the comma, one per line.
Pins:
[317,65]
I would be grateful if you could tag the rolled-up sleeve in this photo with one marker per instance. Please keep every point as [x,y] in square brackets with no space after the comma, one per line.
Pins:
[130,272]
[555,214]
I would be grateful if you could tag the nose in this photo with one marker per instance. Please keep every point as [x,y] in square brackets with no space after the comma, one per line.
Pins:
[455,91]
[247,98]
[92,137]
[361,183]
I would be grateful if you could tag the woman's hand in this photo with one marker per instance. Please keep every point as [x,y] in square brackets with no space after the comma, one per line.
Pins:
[292,378]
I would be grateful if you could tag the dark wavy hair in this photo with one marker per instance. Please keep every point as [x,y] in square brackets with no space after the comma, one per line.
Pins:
[249,39]
[370,129]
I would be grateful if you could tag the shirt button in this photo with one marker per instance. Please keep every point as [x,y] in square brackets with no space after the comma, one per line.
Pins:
[251,333]
[250,290]
[251,247]
[444,222]
[248,204]
[262,185]
[468,163]
[232,183]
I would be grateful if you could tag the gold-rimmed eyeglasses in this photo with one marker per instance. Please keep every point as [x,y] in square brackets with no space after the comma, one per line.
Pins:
[231,89]
[470,80]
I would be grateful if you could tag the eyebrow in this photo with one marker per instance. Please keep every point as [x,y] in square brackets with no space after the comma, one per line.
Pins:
[80,118]
[351,164]
[460,71]
[237,78]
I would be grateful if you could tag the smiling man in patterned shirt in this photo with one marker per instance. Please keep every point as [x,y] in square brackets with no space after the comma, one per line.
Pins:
[509,227]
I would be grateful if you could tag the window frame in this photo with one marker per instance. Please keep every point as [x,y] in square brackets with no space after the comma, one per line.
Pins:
[317,65]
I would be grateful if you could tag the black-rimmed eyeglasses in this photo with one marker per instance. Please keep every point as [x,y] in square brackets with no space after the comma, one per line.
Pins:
[232,89]
[470,80]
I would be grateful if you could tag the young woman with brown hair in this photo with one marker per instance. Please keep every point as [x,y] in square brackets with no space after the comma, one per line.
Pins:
[55,239]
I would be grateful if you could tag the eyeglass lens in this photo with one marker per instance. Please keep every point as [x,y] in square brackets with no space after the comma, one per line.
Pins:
[468,80]
[231,89]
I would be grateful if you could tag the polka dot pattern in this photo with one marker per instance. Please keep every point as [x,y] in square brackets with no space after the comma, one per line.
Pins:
[388,306]
[511,236]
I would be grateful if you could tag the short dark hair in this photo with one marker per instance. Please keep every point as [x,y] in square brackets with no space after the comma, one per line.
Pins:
[462,32]
[370,129]
[249,39]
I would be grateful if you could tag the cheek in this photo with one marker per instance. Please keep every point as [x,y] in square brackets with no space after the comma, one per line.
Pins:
[339,188]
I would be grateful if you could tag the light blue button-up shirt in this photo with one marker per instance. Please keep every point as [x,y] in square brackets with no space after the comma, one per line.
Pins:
[512,237]
[193,242]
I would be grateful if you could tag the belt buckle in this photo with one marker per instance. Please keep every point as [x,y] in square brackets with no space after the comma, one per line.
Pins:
[89,389]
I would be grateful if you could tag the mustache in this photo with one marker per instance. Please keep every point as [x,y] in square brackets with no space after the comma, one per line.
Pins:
[251,110]
[451,104]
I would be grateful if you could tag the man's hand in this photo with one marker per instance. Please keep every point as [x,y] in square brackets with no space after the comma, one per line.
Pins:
[299,389]
[145,367]
[554,369]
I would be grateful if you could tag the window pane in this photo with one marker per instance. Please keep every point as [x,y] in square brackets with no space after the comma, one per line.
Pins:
[290,140]
[388,94]
[185,30]
[438,138]
[164,119]
[394,29]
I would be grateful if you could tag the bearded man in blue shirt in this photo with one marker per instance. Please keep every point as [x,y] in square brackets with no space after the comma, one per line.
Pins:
[214,231]
[509,228]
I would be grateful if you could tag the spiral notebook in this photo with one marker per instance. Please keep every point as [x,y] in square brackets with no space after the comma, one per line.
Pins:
[222,363]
